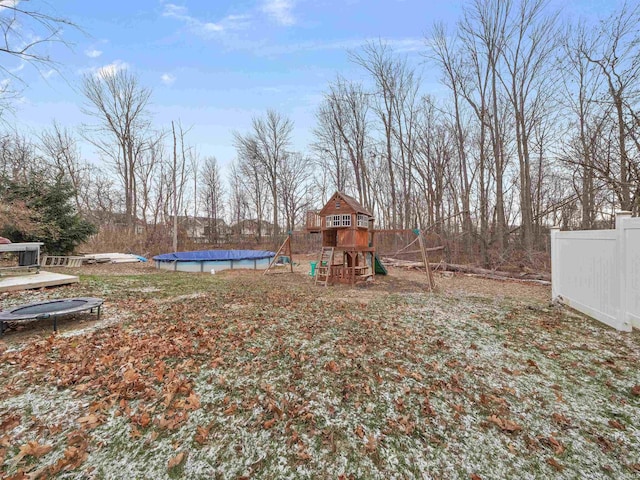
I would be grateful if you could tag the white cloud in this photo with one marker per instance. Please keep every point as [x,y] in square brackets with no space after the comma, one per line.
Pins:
[19,68]
[111,68]
[93,53]
[205,28]
[280,10]
[176,11]
[49,73]
[168,79]
[399,45]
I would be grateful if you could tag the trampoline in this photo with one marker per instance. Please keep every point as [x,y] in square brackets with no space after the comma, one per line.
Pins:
[51,309]
[207,260]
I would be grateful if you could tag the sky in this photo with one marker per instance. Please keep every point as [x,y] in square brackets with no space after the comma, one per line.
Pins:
[215,65]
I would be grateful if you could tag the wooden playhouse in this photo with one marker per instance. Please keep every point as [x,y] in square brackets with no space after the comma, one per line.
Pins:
[348,252]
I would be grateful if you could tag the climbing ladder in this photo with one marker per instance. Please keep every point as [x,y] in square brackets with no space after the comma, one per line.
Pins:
[60,261]
[323,268]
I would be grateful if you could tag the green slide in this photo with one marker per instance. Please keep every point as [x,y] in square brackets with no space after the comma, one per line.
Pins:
[380,270]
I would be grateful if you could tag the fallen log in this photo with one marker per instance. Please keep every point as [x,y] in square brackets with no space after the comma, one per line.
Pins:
[395,262]
[511,279]
[452,267]
[430,249]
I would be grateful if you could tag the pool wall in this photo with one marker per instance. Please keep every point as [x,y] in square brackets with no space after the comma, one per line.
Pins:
[217,265]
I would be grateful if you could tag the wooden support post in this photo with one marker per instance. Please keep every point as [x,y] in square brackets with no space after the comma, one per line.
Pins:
[285,249]
[425,259]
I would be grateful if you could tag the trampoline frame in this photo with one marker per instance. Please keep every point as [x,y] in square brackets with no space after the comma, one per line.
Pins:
[91,304]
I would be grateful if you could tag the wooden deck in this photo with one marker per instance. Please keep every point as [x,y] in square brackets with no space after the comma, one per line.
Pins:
[35,280]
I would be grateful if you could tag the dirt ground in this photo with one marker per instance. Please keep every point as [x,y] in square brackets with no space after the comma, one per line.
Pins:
[402,280]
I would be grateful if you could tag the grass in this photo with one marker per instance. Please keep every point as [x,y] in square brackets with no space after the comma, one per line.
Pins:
[272,377]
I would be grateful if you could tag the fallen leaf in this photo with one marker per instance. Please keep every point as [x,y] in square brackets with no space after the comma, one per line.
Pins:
[552,443]
[175,461]
[145,419]
[505,424]
[10,423]
[331,366]
[192,402]
[557,445]
[201,435]
[371,444]
[89,421]
[269,423]
[616,424]
[555,464]
[35,449]
[359,431]
[130,375]
[561,419]
[303,455]
[159,371]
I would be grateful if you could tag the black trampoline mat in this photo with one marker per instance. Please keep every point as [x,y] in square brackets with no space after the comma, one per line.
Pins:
[49,307]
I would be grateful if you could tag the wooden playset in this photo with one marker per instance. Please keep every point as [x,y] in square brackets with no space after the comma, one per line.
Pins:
[348,251]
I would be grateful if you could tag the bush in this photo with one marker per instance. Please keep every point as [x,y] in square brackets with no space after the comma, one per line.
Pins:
[51,217]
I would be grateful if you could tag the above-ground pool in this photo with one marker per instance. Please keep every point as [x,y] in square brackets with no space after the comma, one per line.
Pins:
[207,260]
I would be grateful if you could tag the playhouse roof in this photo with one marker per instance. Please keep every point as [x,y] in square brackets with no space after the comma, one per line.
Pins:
[352,202]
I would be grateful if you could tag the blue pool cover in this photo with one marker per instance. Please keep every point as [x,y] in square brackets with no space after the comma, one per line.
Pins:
[213,255]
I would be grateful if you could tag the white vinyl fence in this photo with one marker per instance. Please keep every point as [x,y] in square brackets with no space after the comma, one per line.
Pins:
[598,271]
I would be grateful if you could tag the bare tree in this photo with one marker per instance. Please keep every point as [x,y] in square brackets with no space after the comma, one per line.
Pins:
[294,187]
[119,103]
[329,148]
[18,157]
[459,81]
[178,172]
[26,33]
[237,195]
[581,84]
[377,58]
[470,62]
[268,142]
[148,173]
[435,150]
[60,147]
[529,45]
[194,167]
[212,193]
[251,176]
[616,53]
[344,130]
[105,198]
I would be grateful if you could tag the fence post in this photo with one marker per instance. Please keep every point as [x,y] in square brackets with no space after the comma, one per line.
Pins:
[624,322]
[555,265]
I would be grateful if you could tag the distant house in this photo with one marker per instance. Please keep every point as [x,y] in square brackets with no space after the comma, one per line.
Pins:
[249,227]
[116,220]
[216,230]
[203,229]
